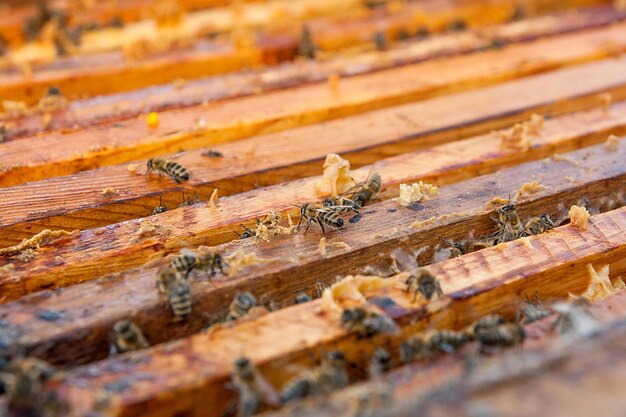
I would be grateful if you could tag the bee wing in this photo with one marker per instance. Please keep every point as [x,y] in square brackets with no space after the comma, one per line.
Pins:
[404,260]
[187,252]
[383,323]
[270,396]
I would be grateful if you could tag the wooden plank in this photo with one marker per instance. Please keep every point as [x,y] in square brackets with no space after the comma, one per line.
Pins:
[188,376]
[84,112]
[78,203]
[443,386]
[89,310]
[111,144]
[84,76]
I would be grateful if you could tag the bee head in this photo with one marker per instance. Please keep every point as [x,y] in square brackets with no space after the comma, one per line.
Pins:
[246,299]
[149,164]
[242,363]
[302,298]
[328,202]
[122,326]
[335,358]
[303,210]
[545,219]
[506,209]
[347,316]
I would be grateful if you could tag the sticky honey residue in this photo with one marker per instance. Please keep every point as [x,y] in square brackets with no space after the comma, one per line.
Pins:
[239,260]
[600,285]
[45,237]
[213,199]
[14,108]
[579,217]
[416,192]
[496,201]
[606,100]
[336,178]
[148,228]
[351,291]
[152,120]
[109,192]
[612,143]
[529,188]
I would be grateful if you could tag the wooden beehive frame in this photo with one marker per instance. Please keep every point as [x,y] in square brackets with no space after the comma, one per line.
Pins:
[432,110]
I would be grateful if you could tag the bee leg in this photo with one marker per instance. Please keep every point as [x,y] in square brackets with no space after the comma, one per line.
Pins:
[308,224]
[322,226]
[219,265]
[299,221]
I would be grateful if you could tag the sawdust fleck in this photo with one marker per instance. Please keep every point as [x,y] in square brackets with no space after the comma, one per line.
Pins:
[606,100]
[240,260]
[109,192]
[213,199]
[612,143]
[45,237]
[563,158]
[496,201]
[352,290]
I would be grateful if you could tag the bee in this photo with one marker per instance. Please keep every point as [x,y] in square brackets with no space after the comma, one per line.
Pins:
[189,201]
[319,289]
[508,223]
[247,232]
[363,192]
[415,347]
[317,213]
[174,170]
[574,318]
[161,208]
[127,336]
[177,290]
[380,40]
[534,311]
[252,387]
[306,47]
[368,322]
[188,261]
[331,375]
[538,225]
[487,323]
[302,298]
[271,221]
[24,383]
[454,250]
[425,283]
[505,335]
[380,362]
[240,306]
[446,341]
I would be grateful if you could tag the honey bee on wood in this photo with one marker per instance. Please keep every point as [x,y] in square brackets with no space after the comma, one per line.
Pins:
[172,169]
[424,346]
[504,335]
[189,261]
[488,322]
[574,318]
[380,362]
[161,208]
[240,306]
[364,191]
[330,376]
[177,289]
[380,40]
[247,232]
[368,322]
[534,311]
[454,250]
[508,224]
[423,282]
[24,381]
[189,201]
[127,337]
[252,387]
[538,225]
[317,213]
[306,47]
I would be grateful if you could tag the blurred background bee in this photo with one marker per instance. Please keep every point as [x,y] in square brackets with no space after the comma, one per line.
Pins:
[252,387]
[240,306]
[127,337]
[366,321]
[161,208]
[189,261]
[538,225]
[177,289]
[172,169]
[329,376]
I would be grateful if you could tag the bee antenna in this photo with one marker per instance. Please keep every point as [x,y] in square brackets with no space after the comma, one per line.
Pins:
[237,234]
